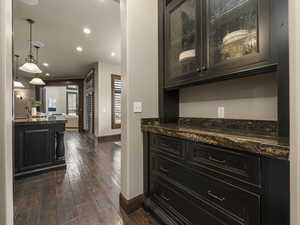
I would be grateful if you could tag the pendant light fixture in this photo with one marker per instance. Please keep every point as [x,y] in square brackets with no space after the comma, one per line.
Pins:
[17,83]
[30,65]
[36,80]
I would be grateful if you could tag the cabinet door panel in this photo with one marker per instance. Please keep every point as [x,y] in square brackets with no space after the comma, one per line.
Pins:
[36,148]
[237,33]
[183,41]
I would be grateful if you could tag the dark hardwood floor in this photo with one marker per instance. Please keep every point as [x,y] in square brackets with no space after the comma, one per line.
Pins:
[86,193]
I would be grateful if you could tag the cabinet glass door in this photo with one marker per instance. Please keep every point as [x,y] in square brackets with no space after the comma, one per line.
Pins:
[232,28]
[182,55]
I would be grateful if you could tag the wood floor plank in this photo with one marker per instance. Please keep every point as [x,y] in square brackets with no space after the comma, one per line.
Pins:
[86,193]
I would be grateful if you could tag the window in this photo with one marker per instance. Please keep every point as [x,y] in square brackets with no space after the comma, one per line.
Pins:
[72,103]
[116,87]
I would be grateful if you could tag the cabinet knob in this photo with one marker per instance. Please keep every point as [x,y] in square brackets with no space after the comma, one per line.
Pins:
[204,68]
[198,69]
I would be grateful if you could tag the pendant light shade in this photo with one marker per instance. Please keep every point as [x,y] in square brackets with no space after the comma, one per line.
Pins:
[18,84]
[37,81]
[30,65]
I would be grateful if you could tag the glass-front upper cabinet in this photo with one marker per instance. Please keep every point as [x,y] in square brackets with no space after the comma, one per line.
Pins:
[237,34]
[182,41]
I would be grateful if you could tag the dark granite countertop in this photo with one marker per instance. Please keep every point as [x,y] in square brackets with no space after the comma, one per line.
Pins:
[40,121]
[235,139]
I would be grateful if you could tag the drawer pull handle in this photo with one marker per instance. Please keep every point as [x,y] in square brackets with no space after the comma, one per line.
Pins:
[164,145]
[221,199]
[164,170]
[164,197]
[216,160]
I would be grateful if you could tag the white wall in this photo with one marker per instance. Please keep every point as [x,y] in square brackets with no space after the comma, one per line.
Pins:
[105,72]
[6,187]
[247,98]
[58,93]
[139,24]
[294,29]
[20,104]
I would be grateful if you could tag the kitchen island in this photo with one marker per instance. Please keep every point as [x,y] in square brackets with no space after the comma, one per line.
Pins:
[39,145]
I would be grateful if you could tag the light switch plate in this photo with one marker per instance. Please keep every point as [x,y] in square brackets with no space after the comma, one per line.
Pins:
[221,112]
[137,107]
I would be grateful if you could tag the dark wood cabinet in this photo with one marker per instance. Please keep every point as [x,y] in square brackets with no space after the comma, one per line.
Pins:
[242,167]
[237,34]
[181,208]
[216,39]
[35,149]
[38,148]
[187,182]
[226,39]
[183,41]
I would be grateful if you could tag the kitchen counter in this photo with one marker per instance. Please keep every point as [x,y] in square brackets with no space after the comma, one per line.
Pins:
[235,139]
[40,121]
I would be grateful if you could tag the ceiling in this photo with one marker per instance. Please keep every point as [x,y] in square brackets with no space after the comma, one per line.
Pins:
[59,26]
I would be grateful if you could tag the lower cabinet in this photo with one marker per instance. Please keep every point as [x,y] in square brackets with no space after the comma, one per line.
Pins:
[210,185]
[186,208]
[38,147]
[35,148]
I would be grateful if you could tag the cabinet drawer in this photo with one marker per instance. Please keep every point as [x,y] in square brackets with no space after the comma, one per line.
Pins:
[179,204]
[235,201]
[244,167]
[167,145]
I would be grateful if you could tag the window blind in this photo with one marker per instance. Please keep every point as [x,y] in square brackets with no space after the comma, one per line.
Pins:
[116,86]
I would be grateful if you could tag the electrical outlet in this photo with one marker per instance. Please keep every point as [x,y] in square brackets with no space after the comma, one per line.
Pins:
[221,112]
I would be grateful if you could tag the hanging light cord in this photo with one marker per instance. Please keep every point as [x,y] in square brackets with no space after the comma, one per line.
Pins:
[30,21]
[37,53]
[17,66]
[30,39]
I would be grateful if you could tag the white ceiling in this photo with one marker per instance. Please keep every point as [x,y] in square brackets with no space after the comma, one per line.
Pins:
[59,25]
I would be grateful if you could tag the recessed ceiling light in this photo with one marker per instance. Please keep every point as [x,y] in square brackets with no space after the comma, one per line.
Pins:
[113,54]
[45,64]
[47,74]
[79,49]
[86,30]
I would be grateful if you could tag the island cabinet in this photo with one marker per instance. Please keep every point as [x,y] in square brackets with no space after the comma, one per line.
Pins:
[39,146]
[206,40]
[192,183]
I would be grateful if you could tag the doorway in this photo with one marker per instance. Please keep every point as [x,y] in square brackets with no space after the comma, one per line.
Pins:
[63,98]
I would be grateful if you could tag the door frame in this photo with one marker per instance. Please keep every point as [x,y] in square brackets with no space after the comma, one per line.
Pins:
[90,76]
[6,116]
[79,83]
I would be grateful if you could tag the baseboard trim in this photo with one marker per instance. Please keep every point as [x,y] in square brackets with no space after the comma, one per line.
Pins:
[131,205]
[60,165]
[109,138]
